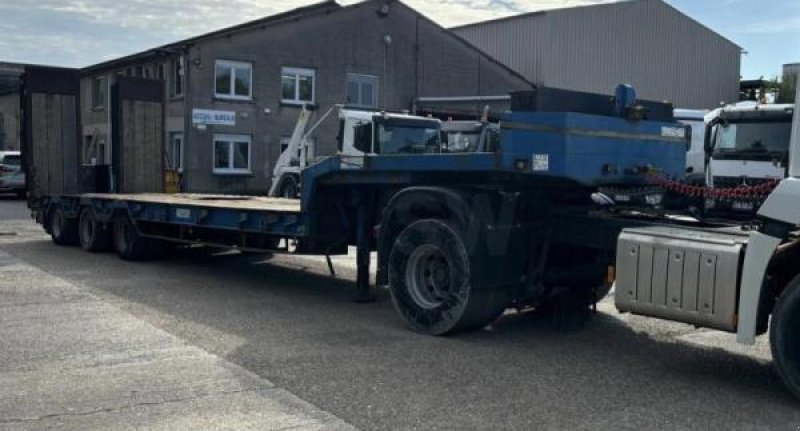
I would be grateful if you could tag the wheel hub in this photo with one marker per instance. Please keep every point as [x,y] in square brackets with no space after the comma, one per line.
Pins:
[428,276]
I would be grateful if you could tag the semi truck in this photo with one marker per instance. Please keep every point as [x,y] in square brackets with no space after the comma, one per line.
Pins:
[462,236]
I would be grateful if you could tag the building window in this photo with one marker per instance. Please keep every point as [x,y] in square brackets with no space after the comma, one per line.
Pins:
[232,154]
[160,71]
[175,151]
[177,77]
[233,79]
[297,85]
[362,90]
[99,92]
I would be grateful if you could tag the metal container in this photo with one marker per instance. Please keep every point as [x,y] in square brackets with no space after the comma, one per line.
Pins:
[680,274]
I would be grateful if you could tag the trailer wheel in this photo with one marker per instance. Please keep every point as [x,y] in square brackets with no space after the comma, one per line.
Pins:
[289,187]
[94,236]
[63,230]
[127,242]
[432,285]
[784,336]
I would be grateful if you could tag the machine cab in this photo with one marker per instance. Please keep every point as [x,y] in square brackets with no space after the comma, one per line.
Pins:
[370,132]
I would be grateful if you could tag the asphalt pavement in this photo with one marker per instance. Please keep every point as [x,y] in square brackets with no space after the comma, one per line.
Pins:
[284,324]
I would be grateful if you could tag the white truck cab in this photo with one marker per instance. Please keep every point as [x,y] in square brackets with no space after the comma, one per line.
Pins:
[361,132]
[746,144]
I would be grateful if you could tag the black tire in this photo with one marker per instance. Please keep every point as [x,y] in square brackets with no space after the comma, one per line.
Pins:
[432,285]
[784,336]
[127,242]
[289,188]
[94,236]
[63,230]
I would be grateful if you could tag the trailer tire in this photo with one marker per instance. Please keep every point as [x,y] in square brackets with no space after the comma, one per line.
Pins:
[289,187]
[93,235]
[784,336]
[127,241]
[432,285]
[63,230]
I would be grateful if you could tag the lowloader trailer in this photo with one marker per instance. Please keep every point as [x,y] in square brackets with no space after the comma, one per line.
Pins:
[460,237]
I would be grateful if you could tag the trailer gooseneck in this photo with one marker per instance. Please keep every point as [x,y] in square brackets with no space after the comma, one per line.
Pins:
[462,236]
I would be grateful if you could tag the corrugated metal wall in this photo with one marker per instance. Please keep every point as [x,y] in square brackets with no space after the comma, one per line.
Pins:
[662,52]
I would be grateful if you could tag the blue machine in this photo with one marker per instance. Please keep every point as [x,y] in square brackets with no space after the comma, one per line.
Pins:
[593,141]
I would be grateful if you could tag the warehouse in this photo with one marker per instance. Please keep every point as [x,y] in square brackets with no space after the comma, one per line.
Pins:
[663,53]
[232,97]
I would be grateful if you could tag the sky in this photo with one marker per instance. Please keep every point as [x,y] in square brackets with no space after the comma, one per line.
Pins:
[79,33]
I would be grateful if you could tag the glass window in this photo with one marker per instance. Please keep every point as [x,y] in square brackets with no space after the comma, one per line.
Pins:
[241,155]
[407,137]
[177,76]
[297,85]
[362,137]
[232,154]
[221,155]
[12,160]
[362,90]
[754,138]
[233,79]
[99,92]
[175,151]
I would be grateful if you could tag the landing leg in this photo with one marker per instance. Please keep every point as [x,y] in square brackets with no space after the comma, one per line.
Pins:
[363,293]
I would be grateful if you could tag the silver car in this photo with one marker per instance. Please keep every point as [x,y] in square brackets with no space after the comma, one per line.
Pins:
[12,179]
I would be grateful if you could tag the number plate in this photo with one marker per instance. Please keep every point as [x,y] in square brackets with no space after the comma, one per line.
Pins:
[743,206]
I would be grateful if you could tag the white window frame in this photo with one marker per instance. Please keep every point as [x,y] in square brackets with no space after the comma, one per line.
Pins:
[230,139]
[232,65]
[298,72]
[362,78]
[172,137]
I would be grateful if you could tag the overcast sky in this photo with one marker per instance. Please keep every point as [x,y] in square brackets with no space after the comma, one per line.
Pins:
[84,32]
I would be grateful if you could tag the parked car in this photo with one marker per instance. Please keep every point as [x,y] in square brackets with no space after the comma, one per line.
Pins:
[12,179]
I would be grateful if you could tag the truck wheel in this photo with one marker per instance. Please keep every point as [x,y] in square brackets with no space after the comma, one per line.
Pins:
[63,230]
[289,188]
[432,286]
[94,236]
[784,336]
[127,242]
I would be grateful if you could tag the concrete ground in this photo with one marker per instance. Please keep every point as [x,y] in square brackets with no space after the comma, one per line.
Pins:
[211,341]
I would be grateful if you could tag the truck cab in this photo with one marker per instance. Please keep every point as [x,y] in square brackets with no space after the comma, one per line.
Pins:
[746,145]
[371,132]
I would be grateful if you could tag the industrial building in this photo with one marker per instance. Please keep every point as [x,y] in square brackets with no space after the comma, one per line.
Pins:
[232,97]
[663,53]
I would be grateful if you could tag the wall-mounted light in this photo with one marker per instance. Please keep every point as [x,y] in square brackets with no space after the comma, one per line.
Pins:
[387,39]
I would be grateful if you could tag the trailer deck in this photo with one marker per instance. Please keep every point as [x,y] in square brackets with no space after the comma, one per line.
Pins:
[233,202]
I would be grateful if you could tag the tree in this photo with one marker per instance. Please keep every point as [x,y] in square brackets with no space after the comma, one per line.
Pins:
[787,89]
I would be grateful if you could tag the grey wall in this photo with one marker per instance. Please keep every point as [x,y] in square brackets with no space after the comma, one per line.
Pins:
[346,40]
[647,43]
[9,121]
